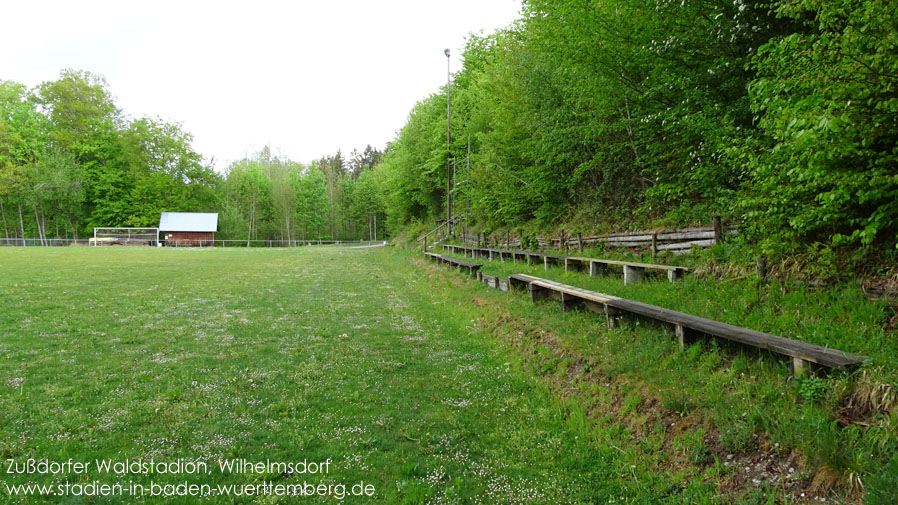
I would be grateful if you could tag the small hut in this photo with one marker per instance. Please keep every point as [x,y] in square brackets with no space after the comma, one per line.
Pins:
[188,229]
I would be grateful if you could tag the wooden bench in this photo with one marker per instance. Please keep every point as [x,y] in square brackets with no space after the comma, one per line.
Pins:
[472,267]
[802,353]
[633,271]
[494,254]
[493,281]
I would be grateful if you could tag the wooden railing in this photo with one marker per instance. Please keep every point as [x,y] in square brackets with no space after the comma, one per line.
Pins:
[677,241]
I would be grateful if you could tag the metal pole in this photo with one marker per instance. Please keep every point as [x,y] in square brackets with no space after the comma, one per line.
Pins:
[454,187]
[448,147]
[467,185]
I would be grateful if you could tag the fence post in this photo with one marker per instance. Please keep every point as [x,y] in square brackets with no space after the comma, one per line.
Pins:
[761,267]
[718,230]
[579,241]
[654,244]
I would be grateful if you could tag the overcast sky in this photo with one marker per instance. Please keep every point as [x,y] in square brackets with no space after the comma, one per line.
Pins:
[306,77]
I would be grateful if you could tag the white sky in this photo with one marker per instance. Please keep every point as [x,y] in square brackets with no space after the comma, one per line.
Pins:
[305,76]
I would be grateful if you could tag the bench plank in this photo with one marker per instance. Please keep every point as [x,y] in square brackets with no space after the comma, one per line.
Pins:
[568,262]
[472,267]
[803,351]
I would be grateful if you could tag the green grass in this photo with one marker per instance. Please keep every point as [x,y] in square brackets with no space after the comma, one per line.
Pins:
[750,398]
[408,376]
[360,356]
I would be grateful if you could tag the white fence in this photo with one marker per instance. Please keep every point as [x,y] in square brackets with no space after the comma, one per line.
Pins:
[48,242]
[58,242]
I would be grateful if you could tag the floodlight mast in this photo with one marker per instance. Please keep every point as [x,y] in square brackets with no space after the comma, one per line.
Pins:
[448,148]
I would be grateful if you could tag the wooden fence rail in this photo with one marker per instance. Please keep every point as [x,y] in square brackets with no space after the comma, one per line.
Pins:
[678,241]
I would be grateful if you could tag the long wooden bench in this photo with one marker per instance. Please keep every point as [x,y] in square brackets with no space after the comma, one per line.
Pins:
[472,267]
[493,281]
[495,254]
[633,271]
[612,307]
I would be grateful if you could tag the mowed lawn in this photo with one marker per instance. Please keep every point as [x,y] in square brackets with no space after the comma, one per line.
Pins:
[282,355]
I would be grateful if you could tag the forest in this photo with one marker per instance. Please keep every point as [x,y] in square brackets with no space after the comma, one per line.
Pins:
[71,160]
[780,116]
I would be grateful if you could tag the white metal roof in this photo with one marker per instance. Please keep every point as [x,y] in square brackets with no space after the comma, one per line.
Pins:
[188,221]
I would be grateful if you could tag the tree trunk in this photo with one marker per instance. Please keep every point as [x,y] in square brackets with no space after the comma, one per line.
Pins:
[21,225]
[46,242]
[37,221]
[332,219]
[252,218]
[3,215]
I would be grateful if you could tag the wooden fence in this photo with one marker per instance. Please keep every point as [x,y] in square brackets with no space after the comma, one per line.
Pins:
[678,241]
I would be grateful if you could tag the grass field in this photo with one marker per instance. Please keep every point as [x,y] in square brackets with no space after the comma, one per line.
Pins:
[287,355]
[409,378]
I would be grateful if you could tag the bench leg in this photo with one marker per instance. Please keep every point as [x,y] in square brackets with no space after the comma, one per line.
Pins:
[502,284]
[681,335]
[572,265]
[537,293]
[800,367]
[569,303]
[611,317]
[674,275]
[597,269]
[633,275]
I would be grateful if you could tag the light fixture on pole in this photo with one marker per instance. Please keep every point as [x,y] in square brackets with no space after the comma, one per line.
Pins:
[448,149]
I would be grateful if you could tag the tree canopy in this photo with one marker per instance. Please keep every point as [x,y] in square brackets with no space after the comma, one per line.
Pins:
[779,116]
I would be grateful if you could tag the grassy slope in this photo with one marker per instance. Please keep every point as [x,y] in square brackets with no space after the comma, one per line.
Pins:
[752,402]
